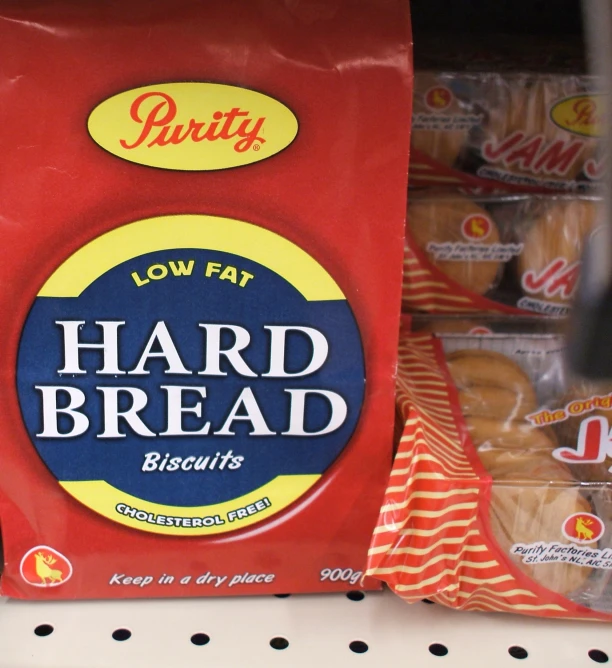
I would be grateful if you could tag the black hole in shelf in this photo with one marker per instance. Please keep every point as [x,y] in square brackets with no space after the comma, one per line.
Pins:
[282,595]
[517,652]
[122,634]
[200,639]
[355,595]
[43,630]
[426,600]
[438,650]
[359,647]
[279,643]
[598,656]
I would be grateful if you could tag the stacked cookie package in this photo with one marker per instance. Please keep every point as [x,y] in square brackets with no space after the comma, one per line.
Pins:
[514,254]
[500,497]
[513,135]
[497,114]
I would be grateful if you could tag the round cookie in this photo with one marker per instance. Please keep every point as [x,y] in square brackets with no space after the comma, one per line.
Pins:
[525,466]
[441,220]
[507,435]
[532,513]
[559,230]
[491,385]
[486,367]
[431,98]
[494,402]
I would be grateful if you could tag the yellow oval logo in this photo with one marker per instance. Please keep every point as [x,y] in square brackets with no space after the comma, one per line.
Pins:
[580,114]
[192,126]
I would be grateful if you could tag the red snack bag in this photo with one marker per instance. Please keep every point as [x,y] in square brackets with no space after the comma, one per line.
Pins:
[500,497]
[197,375]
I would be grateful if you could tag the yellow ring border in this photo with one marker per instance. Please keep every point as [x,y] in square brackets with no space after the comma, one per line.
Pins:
[103,498]
[191,231]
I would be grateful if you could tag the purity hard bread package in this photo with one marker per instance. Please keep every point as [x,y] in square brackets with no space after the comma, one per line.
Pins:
[501,493]
[202,218]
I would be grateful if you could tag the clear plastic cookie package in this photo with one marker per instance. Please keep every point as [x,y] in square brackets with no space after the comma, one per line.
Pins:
[514,118]
[500,496]
[514,254]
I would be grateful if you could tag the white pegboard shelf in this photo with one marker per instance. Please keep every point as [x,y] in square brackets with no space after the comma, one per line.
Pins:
[319,631]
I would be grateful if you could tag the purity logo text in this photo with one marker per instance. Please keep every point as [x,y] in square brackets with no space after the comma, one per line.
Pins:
[581,115]
[192,126]
[160,129]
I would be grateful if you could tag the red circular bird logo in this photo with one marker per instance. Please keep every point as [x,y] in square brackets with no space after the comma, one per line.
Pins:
[438,98]
[583,528]
[476,227]
[43,566]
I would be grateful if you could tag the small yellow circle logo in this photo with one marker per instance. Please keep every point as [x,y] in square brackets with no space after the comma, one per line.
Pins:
[476,228]
[583,528]
[438,98]
[42,566]
[582,115]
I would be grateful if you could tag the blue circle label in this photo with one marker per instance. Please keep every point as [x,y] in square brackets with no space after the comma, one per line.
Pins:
[190,375]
